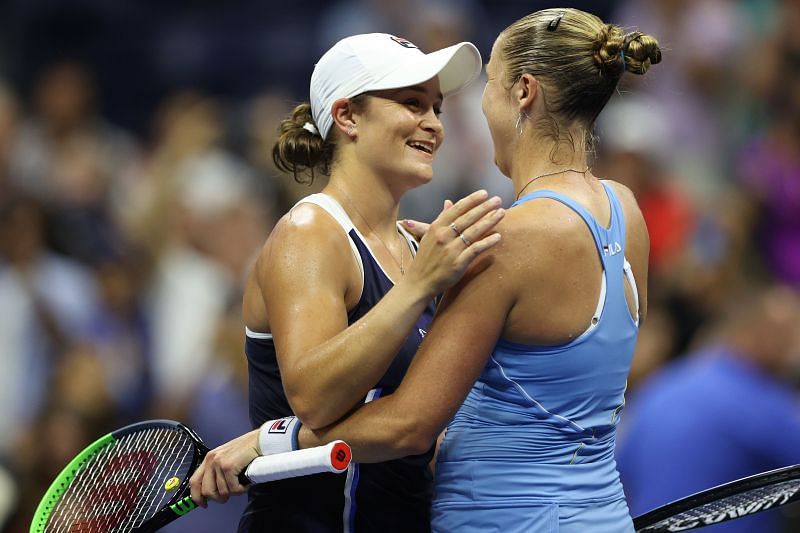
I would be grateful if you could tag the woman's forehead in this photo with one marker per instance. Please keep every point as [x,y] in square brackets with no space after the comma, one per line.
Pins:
[430,88]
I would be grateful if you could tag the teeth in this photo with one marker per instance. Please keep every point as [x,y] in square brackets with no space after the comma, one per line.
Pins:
[424,147]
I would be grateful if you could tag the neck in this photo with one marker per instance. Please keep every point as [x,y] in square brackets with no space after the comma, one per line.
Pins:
[535,161]
[369,199]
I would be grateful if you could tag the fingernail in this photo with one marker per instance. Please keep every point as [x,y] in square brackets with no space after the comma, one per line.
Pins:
[408,223]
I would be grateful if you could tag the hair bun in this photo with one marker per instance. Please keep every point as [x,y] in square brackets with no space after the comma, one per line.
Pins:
[641,51]
[610,46]
[299,147]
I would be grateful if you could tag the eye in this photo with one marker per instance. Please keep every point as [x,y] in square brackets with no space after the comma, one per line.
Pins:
[412,102]
[437,110]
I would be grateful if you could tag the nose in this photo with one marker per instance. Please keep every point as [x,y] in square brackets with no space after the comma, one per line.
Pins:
[431,122]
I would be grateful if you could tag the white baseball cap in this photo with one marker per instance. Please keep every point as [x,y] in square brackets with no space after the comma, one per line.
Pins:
[378,61]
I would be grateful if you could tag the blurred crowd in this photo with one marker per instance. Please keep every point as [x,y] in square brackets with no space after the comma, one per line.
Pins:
[129,216]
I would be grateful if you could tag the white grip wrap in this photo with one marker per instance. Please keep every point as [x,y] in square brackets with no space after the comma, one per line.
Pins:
[278,436]
[333,457]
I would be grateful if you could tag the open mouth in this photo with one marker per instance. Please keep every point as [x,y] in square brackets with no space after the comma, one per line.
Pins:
[422,146]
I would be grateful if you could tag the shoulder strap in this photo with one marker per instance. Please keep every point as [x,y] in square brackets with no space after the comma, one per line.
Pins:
[334,209]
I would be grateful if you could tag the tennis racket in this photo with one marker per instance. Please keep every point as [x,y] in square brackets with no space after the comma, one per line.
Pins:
[728,501]
[137,479]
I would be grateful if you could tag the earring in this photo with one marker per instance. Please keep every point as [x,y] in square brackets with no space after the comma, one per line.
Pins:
[518,125]
[351,130]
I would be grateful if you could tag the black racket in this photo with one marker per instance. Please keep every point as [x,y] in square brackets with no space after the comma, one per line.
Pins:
[137,479]
[728,501]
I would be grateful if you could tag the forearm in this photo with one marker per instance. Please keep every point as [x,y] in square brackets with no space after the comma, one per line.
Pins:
[375,434]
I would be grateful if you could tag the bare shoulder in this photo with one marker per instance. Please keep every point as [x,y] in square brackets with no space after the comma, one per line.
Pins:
[307,233]
[542,222]
[538,239]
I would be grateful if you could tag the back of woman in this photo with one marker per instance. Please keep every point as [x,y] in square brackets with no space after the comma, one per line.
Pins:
[535,434]
[538,426]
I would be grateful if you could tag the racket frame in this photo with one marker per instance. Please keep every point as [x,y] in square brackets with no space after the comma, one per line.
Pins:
[648,520]
[180,503]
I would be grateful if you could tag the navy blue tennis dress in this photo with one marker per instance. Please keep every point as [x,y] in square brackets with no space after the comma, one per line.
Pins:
[532,447]
[382,497]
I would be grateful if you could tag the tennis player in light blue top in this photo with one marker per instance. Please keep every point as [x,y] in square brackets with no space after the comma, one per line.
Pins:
[527,357]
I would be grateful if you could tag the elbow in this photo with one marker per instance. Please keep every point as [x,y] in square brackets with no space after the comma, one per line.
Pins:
[310,414]
[412,437]
[307,406]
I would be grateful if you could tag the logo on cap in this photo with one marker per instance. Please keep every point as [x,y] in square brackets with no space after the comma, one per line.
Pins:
[403,42]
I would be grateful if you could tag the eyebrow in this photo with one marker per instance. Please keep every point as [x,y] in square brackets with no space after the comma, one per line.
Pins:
[421,89]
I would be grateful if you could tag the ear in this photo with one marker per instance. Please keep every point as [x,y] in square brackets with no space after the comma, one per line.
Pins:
[525,91]
[343,116]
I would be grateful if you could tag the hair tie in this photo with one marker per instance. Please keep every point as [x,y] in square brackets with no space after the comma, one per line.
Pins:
[309,127]
[622,56]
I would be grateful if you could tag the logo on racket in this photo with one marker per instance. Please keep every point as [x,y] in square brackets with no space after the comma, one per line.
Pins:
[340,456]
[117,492]
[738,511]
[183,506]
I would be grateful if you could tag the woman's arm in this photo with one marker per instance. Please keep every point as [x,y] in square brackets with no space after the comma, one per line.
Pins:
[305,274]
[452,356]
[328,366]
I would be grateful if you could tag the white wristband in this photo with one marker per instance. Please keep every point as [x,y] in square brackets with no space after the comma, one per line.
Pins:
[278,436]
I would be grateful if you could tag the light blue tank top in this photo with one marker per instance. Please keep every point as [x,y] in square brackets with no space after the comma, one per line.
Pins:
[539,425]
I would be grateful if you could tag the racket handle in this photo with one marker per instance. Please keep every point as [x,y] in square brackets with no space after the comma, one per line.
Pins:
[332,457]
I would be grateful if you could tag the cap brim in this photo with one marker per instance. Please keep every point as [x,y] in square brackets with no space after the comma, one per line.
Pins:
[457,66]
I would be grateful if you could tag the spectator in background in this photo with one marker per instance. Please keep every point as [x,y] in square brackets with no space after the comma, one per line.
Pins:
[192,208]
[9,121]
[72,159]
[703,40]
[725,412]
[769,163]
[47,302]
[466,161]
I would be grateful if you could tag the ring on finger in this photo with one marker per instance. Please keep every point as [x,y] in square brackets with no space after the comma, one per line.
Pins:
[464,239]
[455,228]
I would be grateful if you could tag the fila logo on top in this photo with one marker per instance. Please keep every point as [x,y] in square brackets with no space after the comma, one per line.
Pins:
[612,249]
[403,42]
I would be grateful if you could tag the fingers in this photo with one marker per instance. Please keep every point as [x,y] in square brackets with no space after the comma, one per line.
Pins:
[416,228]
[467,219]
[454,211]
[474,234]
[215,481]
[196,485]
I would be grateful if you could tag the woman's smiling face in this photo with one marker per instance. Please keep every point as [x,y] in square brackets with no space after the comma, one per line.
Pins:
[399,131]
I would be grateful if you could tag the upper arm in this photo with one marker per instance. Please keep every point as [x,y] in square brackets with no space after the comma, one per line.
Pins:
[305,273]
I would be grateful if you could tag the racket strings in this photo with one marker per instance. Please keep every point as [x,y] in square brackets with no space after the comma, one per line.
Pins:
[733,506]
[176,460]
[122,486]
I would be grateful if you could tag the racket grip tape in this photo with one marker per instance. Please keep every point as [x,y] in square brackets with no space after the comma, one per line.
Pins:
[333,457]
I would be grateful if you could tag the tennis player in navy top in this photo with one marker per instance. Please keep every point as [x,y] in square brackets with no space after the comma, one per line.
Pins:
[341,295]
